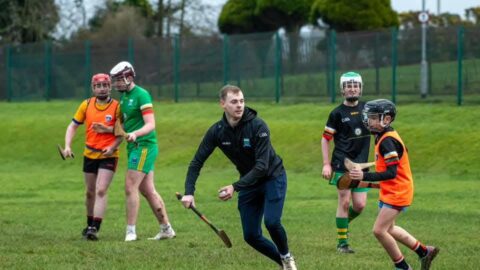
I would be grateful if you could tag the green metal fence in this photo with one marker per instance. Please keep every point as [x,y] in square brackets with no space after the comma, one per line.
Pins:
[268,66]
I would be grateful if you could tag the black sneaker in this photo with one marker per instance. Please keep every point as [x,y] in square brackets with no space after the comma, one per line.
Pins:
[345,249]
[91,234]
[84,232]
[427,260]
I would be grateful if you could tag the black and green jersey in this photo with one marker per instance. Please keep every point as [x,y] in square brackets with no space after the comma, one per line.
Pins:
[350,136]
[132,104]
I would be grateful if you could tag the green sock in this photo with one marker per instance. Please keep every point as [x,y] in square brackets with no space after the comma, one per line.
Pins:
[342,231]
[352,214]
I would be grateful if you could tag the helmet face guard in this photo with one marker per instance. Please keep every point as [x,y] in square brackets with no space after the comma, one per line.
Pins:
[121,83]
[101,86]
[377,110]
[350,83]
[120,74]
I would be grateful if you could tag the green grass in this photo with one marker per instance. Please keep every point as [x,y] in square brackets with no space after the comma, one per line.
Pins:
[42,212]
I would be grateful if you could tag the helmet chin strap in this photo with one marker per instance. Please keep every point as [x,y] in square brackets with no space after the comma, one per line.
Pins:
[382,124]
[127,85]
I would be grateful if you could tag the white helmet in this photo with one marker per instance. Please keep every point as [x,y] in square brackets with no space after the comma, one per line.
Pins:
[120,72]
[122,69]
[351,77]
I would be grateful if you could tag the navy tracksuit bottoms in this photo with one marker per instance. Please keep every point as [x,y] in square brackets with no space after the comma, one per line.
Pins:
[265,201]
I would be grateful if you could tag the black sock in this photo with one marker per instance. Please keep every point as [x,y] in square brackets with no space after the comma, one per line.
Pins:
[96,223]
[420,249]
[89,221]
[402,265]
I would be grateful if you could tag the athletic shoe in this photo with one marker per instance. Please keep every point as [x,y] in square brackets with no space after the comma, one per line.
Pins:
[289,263]
[84,232]
[91,234]
[426,261]
[130,236]
[165,233]
[345,249]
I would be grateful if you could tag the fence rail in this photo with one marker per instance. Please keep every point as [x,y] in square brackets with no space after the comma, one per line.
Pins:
[268,66]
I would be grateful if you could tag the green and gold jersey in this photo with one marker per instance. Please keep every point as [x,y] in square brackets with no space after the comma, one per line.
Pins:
[134,104]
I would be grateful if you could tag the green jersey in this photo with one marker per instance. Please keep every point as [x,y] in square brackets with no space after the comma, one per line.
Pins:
[132,103]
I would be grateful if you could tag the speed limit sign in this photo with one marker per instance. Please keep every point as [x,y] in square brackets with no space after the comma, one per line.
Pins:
[423,17]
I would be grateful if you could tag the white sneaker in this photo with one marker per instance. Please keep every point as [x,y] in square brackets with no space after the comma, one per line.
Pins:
[289,263]
[130,236]
[165,233]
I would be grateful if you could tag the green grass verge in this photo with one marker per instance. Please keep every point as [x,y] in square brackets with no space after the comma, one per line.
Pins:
[42,212]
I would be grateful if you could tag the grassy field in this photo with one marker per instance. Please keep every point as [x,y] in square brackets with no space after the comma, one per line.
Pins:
[42,211]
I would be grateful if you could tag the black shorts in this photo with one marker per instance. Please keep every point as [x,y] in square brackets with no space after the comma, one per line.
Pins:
[92,165]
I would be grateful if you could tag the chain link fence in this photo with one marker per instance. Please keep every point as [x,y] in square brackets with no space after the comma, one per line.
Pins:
[268,66]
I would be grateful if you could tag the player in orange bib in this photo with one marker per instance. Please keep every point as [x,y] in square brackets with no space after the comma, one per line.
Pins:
[396,187]
[99,114]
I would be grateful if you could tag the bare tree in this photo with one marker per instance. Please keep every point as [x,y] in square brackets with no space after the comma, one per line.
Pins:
[184,17]
[159,18]
[71,12]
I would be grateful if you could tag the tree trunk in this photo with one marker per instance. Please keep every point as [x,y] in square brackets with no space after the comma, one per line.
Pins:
[159,21]
[182,16]
[169,16]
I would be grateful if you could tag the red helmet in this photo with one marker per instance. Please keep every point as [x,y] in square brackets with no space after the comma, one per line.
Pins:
[100,78]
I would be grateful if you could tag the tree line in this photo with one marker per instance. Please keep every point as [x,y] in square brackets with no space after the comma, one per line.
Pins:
[23,21]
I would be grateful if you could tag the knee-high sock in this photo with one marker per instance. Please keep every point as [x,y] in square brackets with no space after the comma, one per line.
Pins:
[342,231]
[352,214]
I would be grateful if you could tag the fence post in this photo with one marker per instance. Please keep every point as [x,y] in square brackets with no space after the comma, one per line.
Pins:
[377,64]
[9,72]
[131,51]
[176,63]
[48,71]
[226,60]
[278,62]
[394,64]
[333,63]
[460,36]
[88,71]
[327,65]
[238,63]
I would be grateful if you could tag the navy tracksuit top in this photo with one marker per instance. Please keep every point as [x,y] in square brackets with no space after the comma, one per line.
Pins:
[247,145]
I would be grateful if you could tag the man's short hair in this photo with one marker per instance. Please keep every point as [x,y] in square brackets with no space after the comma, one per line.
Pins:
[228,89]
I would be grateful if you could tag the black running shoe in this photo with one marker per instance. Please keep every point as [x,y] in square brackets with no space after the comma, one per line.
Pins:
[84,232]
[91,234]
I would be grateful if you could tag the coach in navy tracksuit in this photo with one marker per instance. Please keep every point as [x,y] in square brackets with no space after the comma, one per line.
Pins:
[245,140]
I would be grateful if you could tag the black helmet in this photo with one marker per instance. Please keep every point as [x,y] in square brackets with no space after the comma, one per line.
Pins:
[381,107]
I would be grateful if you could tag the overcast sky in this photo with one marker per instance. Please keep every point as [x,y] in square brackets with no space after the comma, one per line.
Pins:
[452,6]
